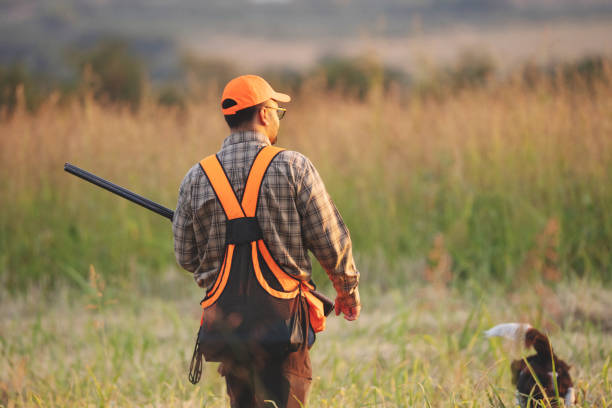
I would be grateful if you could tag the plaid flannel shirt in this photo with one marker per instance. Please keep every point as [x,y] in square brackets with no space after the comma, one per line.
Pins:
[294,211]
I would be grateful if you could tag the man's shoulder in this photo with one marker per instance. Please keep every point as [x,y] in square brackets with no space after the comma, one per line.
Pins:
[293,159]
[193,175]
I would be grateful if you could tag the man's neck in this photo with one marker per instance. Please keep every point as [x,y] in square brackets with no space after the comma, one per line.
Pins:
[251,128]
[245,136]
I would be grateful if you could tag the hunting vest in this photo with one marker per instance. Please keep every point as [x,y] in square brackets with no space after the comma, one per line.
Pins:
[253,305]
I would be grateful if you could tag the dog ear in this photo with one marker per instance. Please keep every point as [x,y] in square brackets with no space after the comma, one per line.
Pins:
[539,341]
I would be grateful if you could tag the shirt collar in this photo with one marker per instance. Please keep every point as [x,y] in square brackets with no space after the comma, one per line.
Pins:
[245,136]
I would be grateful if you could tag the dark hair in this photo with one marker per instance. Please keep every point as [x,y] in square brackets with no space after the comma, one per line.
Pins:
[242,116]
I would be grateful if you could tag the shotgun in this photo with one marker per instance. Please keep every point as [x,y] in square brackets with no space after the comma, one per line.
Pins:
[120,191]
[328,304]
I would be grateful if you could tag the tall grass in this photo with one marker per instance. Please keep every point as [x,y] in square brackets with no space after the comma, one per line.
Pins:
[487,169]
[508,183]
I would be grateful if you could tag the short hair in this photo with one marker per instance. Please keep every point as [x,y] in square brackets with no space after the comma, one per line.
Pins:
[242,116]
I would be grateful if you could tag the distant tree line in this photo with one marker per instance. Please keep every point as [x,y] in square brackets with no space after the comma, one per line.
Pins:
[113,75]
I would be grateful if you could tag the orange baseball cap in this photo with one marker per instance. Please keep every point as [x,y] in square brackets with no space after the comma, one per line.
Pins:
[248,90]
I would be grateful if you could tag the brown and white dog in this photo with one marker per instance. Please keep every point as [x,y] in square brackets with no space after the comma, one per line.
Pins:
[541,363]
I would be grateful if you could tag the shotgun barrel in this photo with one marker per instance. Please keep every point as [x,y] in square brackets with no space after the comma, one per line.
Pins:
[120,191]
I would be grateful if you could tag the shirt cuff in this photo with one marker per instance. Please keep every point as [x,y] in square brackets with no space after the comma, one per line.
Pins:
[349,297]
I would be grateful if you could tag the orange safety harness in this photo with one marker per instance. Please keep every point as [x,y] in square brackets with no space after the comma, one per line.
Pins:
[253,304]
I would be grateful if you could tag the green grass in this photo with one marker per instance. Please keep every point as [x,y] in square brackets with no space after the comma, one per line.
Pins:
[416,346]
[514,179]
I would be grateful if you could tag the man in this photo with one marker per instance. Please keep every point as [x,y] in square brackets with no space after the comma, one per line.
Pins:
[295,215]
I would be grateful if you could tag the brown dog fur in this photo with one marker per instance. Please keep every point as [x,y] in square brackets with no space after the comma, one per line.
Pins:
[542,365]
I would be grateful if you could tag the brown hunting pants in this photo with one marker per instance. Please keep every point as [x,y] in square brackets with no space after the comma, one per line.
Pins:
[285,380]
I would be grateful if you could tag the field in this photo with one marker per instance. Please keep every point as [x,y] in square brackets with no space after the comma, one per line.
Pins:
[469,209]
[132,349]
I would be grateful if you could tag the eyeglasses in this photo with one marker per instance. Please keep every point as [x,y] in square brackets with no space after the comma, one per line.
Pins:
[279,111]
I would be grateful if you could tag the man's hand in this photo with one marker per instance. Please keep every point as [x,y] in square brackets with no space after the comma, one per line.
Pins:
[350,312]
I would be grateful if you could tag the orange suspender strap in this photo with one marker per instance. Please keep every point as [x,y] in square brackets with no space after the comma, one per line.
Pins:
[223,189]
[222,278]
[256,175]
[288,283]
[221,272]
[289,294]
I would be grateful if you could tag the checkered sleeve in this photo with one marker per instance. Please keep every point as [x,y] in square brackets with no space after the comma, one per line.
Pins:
[185,248]
[326,235]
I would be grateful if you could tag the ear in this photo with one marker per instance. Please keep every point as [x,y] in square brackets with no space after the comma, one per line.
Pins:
[262,117]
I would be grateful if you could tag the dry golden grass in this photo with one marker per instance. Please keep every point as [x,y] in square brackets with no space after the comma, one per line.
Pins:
[414,346]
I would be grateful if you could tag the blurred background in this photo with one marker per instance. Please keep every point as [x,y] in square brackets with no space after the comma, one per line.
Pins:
[170,45]
[466,143]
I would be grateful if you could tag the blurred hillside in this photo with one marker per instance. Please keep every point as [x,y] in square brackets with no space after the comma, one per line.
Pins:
[43,34]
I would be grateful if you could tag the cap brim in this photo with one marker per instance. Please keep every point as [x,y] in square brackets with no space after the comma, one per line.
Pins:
[280,97]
